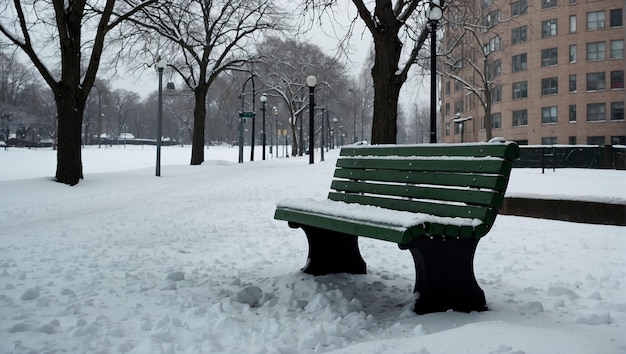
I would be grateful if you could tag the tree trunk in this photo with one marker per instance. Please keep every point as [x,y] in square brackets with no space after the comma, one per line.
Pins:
[295,143]
[199,124]
[387,85]
[70,118]
[488,104]
[70,99]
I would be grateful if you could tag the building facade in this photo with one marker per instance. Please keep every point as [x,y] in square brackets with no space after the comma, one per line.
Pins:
[545,71]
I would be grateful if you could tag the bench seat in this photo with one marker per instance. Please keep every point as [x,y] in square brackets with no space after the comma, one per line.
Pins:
[372,221]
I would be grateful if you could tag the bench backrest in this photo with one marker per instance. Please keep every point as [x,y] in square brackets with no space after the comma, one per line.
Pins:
[446,180]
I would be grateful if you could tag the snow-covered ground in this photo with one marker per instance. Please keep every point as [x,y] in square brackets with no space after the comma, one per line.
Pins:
[193,262]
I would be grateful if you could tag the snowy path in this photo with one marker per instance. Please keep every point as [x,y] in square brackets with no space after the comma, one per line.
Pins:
[193,262]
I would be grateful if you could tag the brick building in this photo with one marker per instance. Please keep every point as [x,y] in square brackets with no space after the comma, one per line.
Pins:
[553,69]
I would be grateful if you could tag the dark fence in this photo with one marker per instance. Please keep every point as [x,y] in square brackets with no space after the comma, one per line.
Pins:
[572,156]
[134,141]
[111,142]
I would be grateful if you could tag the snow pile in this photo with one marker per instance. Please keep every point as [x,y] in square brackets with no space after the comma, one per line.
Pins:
[192,262]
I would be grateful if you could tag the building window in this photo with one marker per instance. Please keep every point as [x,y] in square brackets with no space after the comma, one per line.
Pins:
[520,62]
[549,140]
[548,28]
[595,140]
[520,118]
[491,20]
[519,34]
[617,79]
[572,83]
[496,94]
[616,18]
[618,140]
[572,140]
[494,44]
[546,4]
[572,24]
[572,53]
[447,108]
[596,112]
[596,51]
[486,3]
[447,87]
[617,110]
[549,57]
[519,7]
[457,85]
[549,115]
[572,113]
[494,69]
[458,106]
[520,89]
[595,81]
[447,129]
[496,120]
[617,49]
[497,67]
[595,20]
[550,86]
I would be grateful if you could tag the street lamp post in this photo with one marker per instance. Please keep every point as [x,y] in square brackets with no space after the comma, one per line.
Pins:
[335,120]
[310,82]
[160,63]
[242,117]
[301,138]
[263,101]
[354,138]
[275,110]
[125,135]
[434,14]
[459,121]
[100,114]
[322,143]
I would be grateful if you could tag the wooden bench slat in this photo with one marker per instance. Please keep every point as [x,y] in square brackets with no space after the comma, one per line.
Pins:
[490,166]
[438,209]
[373,230]
[508,151]
[470,196]
[401,236]
[497,182]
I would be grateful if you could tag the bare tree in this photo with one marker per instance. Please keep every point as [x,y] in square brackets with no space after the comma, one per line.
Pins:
[22,100]
[417,124]
[124,103]
[34,26]
[202,40]
[364,102]
[472,58]
[284,67]
[398,30]
[179,113]
[222,105]
[15,80]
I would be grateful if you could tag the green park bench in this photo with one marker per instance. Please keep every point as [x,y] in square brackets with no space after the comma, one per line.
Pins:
[435,200]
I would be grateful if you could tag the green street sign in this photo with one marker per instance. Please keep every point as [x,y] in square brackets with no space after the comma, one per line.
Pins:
[246,114]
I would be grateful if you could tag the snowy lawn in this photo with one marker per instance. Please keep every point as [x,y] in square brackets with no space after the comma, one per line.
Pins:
[193,262]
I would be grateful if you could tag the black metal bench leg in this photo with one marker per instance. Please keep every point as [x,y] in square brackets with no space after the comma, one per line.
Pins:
[332,252]
[445,280]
